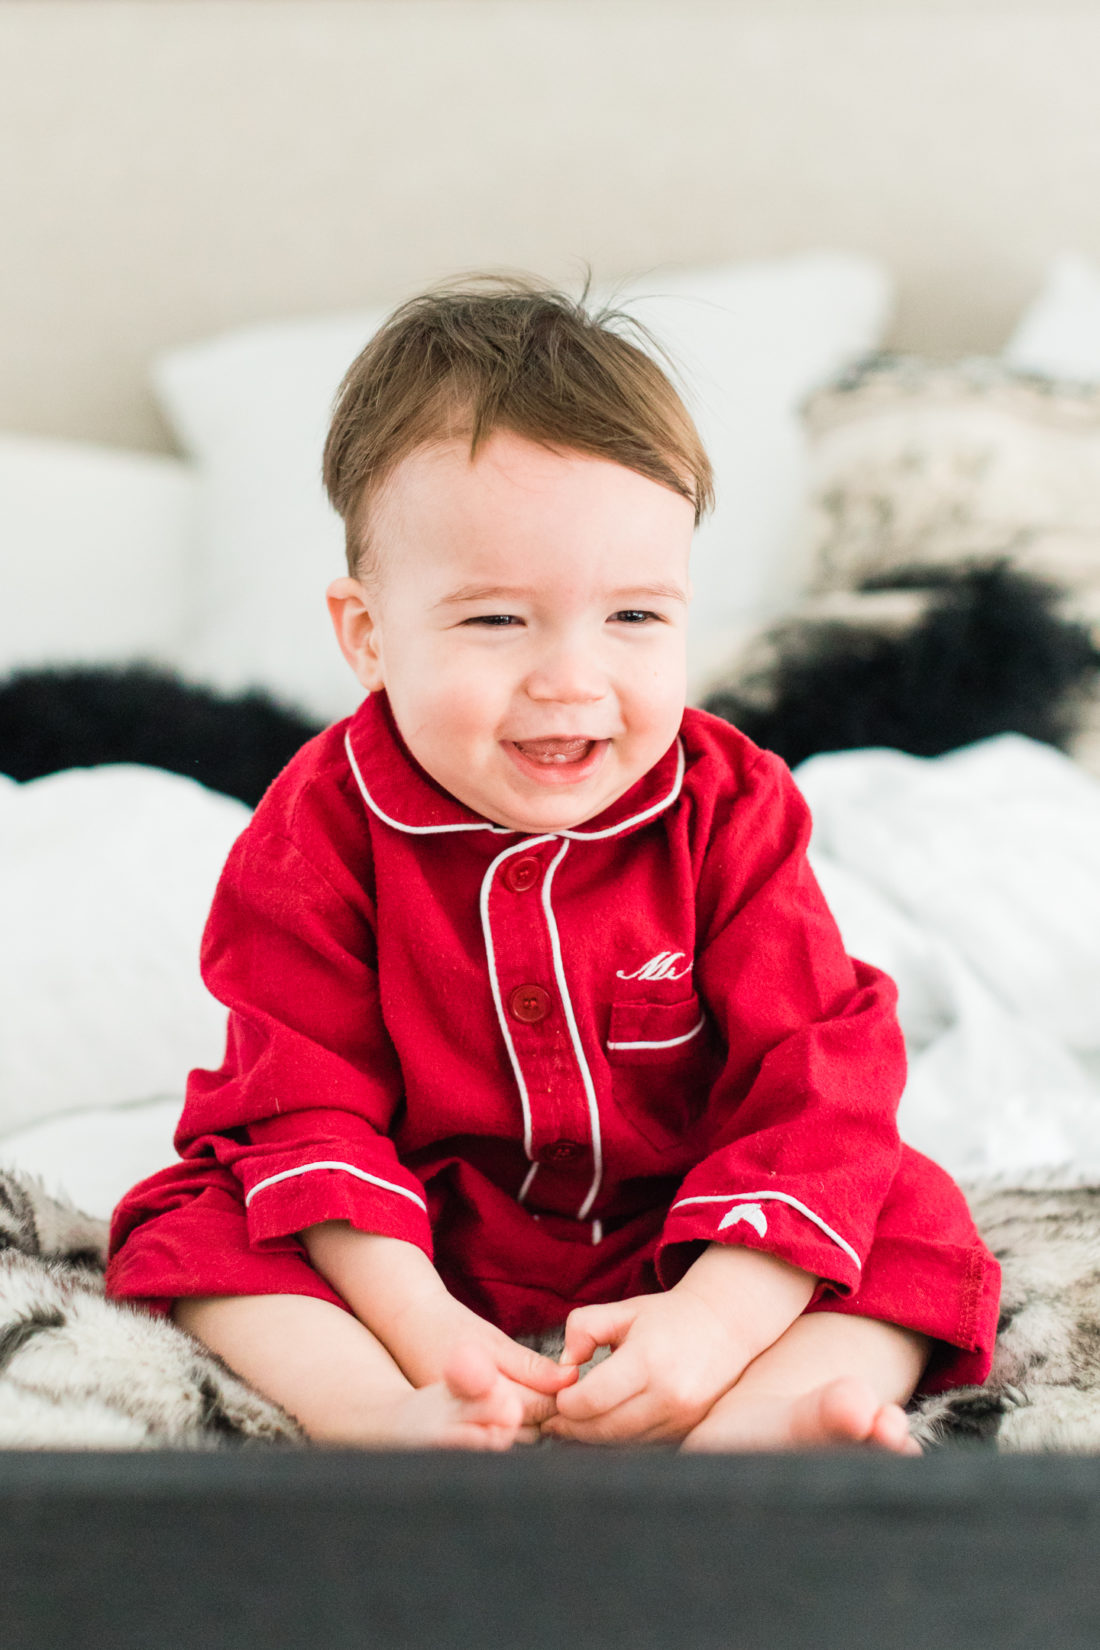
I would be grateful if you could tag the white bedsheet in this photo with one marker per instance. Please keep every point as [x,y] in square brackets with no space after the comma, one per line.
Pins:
[974,879]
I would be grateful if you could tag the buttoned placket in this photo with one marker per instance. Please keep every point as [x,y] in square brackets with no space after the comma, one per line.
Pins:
[561,1121]
[531,992]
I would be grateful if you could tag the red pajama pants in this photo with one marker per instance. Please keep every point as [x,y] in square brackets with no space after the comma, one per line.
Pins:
[183,1232]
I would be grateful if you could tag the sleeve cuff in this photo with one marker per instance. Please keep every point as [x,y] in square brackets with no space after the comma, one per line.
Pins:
[774,1222]
[288,1200]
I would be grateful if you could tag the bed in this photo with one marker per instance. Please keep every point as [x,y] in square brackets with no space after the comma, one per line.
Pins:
[208,205]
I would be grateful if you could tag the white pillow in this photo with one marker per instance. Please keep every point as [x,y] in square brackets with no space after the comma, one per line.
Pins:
[94,553]
[750,342]
[1058,334]
[106,877]
[93,1157]
[253,406]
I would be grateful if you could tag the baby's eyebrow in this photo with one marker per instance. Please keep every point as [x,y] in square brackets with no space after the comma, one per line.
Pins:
[482,593]
[502,592]
[672,591]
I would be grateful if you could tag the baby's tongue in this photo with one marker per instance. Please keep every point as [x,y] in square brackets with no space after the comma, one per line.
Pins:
[553,750]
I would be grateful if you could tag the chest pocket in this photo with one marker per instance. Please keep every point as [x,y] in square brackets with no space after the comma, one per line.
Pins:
[662,1058]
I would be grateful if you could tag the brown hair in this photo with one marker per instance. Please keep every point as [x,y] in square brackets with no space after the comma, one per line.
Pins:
[505,352]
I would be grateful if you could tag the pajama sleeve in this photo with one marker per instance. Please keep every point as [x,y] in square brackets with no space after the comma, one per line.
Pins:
[802,1145]
[301,1107]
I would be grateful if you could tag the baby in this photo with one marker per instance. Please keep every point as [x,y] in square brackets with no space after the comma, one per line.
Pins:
[537,1016]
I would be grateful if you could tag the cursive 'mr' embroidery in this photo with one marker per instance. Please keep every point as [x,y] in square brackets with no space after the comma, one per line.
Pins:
[660,967]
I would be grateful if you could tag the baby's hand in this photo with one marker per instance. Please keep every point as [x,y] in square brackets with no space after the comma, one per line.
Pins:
[676,1353]
[396,1293]
[674,1356]
[448,1324]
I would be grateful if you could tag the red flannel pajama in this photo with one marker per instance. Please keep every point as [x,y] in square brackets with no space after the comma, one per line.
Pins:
[559,1064]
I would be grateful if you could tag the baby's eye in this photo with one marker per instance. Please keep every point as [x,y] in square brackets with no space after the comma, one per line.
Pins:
[635,615]
[499,619]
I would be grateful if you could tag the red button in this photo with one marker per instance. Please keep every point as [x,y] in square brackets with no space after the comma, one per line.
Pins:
[521,874]
[562,1151]
[529,1003]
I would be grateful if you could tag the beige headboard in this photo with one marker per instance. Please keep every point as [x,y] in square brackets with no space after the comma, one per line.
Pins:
[172,167]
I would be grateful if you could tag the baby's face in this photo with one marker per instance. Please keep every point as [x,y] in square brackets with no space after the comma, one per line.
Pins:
[527,623]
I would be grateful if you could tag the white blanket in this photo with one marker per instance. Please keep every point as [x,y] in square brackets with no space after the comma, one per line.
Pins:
[974,879]
[106,876]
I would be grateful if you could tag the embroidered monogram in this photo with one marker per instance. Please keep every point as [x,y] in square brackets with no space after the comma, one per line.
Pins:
[660,967]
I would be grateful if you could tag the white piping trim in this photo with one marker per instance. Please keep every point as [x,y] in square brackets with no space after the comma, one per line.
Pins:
[508,830]
[348,1168]
[414,830]
[597,1231]
[571,1021]
[526,1187]
[494,984]
[778,1197]
[671,1042]
[647,813]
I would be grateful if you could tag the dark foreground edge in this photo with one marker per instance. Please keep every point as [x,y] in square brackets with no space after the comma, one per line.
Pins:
[547,1550]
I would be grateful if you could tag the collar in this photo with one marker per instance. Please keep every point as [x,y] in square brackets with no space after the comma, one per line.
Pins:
[395,788]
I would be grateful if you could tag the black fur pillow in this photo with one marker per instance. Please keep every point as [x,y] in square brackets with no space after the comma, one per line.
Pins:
[953,553]
[82,717]
[968,652]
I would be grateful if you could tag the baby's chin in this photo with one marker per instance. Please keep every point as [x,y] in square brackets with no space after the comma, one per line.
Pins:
[542,816]
[541,799]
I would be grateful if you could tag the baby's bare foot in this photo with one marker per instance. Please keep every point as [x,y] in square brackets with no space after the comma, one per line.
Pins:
[847,1411]
[844,1411]
[472,1407]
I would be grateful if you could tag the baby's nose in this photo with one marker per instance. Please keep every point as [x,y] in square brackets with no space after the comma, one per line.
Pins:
[567,676]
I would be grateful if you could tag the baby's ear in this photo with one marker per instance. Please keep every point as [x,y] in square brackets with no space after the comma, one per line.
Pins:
[357,631]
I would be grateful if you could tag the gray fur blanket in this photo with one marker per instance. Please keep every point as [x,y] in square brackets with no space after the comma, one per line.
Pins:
[78,1371]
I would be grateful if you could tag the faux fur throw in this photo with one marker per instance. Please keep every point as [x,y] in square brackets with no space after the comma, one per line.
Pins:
[1043,1392]
[78,1371]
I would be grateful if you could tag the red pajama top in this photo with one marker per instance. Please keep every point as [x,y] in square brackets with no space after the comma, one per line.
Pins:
[537,1056]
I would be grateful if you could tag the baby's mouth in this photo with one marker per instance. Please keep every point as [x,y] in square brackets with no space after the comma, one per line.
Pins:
[555,752]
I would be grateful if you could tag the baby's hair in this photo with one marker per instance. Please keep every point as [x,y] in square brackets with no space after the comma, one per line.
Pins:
[494,352]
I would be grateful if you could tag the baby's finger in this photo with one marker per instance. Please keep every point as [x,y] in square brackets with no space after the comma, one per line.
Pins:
[531,1369]
[537,1406]
[633,1422]
[588,1327]
[614,1381]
